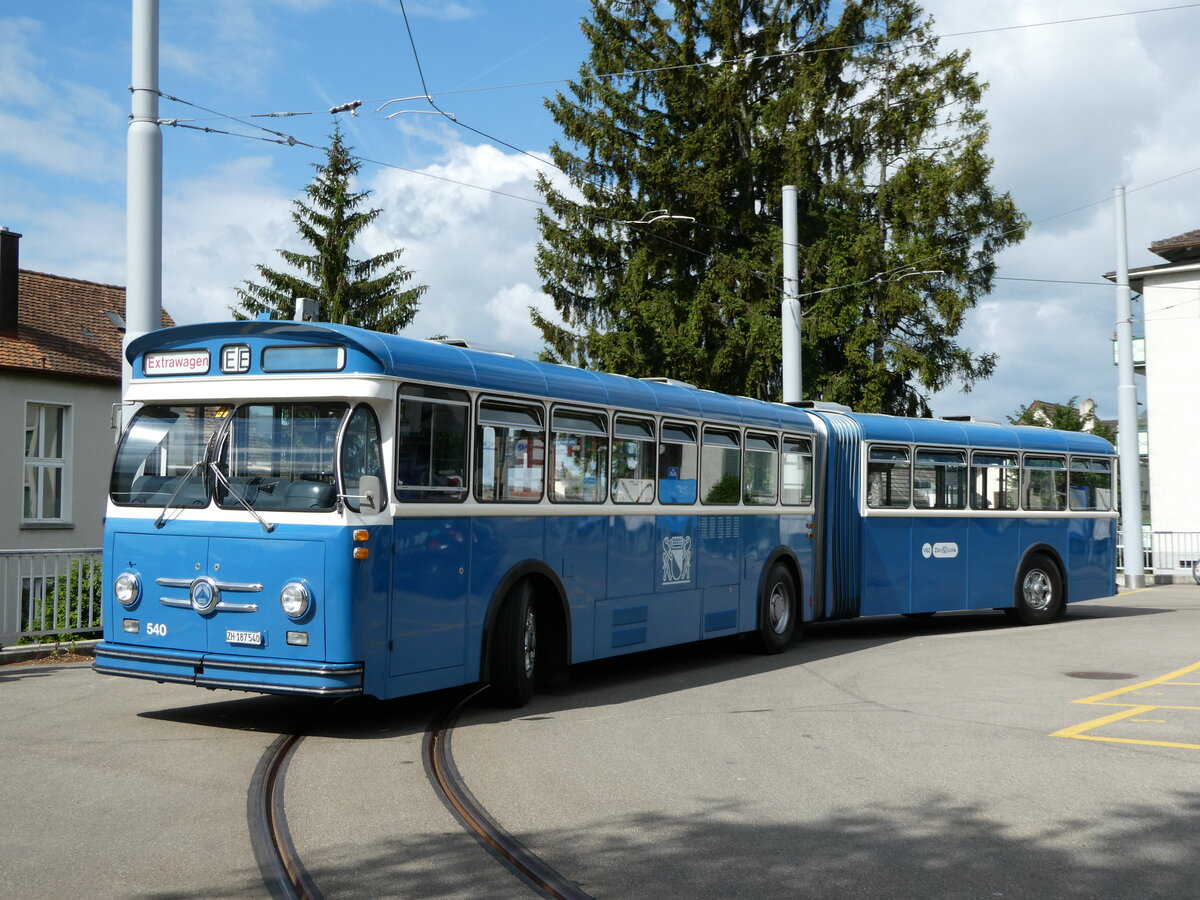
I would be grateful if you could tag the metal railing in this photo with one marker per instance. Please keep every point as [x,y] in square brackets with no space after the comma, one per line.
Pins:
[49,594]
[1166,553]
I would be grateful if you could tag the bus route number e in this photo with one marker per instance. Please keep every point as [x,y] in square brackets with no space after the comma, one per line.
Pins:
[235,359]
[156,629]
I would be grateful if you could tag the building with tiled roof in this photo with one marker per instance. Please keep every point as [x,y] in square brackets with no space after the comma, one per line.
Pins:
[60,376]
[1180,248]
[66,326]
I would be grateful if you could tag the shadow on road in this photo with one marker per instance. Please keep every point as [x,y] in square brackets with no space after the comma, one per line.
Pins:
[602,682]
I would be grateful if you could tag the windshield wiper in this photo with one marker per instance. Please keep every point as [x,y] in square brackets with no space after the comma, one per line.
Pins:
[162,516]
[267,526]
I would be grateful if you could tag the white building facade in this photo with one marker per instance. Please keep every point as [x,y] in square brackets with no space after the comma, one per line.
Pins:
[1171,316]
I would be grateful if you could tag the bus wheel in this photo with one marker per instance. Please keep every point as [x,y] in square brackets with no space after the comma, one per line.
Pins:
[1039,593]
[515,648]
[777,611]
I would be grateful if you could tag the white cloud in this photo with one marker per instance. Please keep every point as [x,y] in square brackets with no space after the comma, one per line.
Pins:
[216,228]
[1074,109]
[471,240]
[447,11]
[57,126]
[468,239]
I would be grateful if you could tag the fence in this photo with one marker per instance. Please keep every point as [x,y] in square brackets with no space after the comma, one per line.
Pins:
[1166,553]
[49,594]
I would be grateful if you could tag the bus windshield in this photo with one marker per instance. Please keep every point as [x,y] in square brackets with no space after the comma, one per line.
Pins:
[280,456]
[160,455]
[270,456]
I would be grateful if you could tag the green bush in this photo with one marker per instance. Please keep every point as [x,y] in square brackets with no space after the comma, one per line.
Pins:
[72,606]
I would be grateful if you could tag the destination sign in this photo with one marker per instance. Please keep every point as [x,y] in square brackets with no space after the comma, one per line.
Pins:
[175,362]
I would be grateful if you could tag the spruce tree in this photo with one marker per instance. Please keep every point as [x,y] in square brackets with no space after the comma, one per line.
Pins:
[722,102]
[371,293]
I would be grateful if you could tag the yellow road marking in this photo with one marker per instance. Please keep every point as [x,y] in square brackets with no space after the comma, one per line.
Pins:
[1128,689]
[1080,732]
[1077,730]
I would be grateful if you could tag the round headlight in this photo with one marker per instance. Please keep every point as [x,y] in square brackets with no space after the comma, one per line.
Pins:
[127,588]
[295,599]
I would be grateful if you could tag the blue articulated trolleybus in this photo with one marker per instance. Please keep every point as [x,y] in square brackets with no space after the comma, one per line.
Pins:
[316,509]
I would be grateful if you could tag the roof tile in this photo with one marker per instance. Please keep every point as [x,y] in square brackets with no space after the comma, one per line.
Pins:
[63,327]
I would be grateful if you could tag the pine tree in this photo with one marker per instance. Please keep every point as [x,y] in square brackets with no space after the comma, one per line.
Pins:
[726,101]
[369,293]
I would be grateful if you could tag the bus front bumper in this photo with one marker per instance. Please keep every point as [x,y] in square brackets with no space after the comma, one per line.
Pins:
[211,670]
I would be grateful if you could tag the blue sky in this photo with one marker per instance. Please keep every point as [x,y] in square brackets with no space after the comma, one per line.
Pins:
[1075,109]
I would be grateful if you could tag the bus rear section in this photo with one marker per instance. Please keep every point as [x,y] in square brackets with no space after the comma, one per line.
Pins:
[925,516]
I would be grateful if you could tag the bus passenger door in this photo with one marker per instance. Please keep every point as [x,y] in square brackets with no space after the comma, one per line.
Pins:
[429,594]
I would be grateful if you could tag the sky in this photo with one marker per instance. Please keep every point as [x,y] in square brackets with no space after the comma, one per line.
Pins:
[1075,108]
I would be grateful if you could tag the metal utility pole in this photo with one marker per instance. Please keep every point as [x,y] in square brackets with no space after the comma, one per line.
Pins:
[793,385]
[143,187]
[1127,414]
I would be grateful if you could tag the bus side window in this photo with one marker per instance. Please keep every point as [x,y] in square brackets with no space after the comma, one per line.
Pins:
[579,464]
[510,456]
[720,467]
[760,470]
[994,481]
[632,461]
[889,478]
[1091,484]
[431,445]
[1045,483]
[677,464]
[797,471]
[362,454]
[940,479]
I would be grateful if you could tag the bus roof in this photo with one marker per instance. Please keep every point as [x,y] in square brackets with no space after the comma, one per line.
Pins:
[874,427]
[373,352]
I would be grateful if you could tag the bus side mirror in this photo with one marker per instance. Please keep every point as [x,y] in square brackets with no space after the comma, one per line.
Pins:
[370,494]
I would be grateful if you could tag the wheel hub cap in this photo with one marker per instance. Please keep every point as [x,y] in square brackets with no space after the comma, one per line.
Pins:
[1036,587]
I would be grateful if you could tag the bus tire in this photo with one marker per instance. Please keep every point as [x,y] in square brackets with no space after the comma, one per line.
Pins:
[1039,592]
[515,649]
[777,611]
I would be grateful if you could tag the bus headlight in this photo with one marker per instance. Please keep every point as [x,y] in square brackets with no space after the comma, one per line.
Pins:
[127,588]
[295,599]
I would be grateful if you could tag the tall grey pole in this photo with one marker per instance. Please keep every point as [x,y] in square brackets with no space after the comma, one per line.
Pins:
[143,187]
[793,386]
[1127,414]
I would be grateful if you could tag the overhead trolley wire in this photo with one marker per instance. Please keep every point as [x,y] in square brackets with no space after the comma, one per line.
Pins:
[769,278]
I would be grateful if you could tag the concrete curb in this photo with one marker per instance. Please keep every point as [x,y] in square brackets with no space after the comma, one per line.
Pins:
[39,651]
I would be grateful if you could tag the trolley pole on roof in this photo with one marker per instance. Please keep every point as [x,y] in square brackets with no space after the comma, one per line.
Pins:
[143,187]
[793,387]
[1127,415]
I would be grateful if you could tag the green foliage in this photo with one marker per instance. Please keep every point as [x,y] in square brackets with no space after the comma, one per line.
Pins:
[851,103]
[726,489]
[1064,417]
[369,293]
[72,605]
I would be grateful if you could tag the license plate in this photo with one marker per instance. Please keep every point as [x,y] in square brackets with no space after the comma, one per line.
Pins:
[252,638]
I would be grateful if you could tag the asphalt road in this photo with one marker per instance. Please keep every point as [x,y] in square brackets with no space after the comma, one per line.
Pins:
[955,757]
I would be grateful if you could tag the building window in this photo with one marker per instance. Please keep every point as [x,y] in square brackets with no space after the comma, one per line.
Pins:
[46,472]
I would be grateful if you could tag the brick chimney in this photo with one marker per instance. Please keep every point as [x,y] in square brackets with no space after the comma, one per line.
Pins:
[9,264]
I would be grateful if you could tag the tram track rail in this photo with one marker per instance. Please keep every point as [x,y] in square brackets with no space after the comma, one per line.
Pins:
[515,856]
[283,872]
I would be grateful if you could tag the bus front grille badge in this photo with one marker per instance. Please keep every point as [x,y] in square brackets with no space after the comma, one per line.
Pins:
[204,595]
